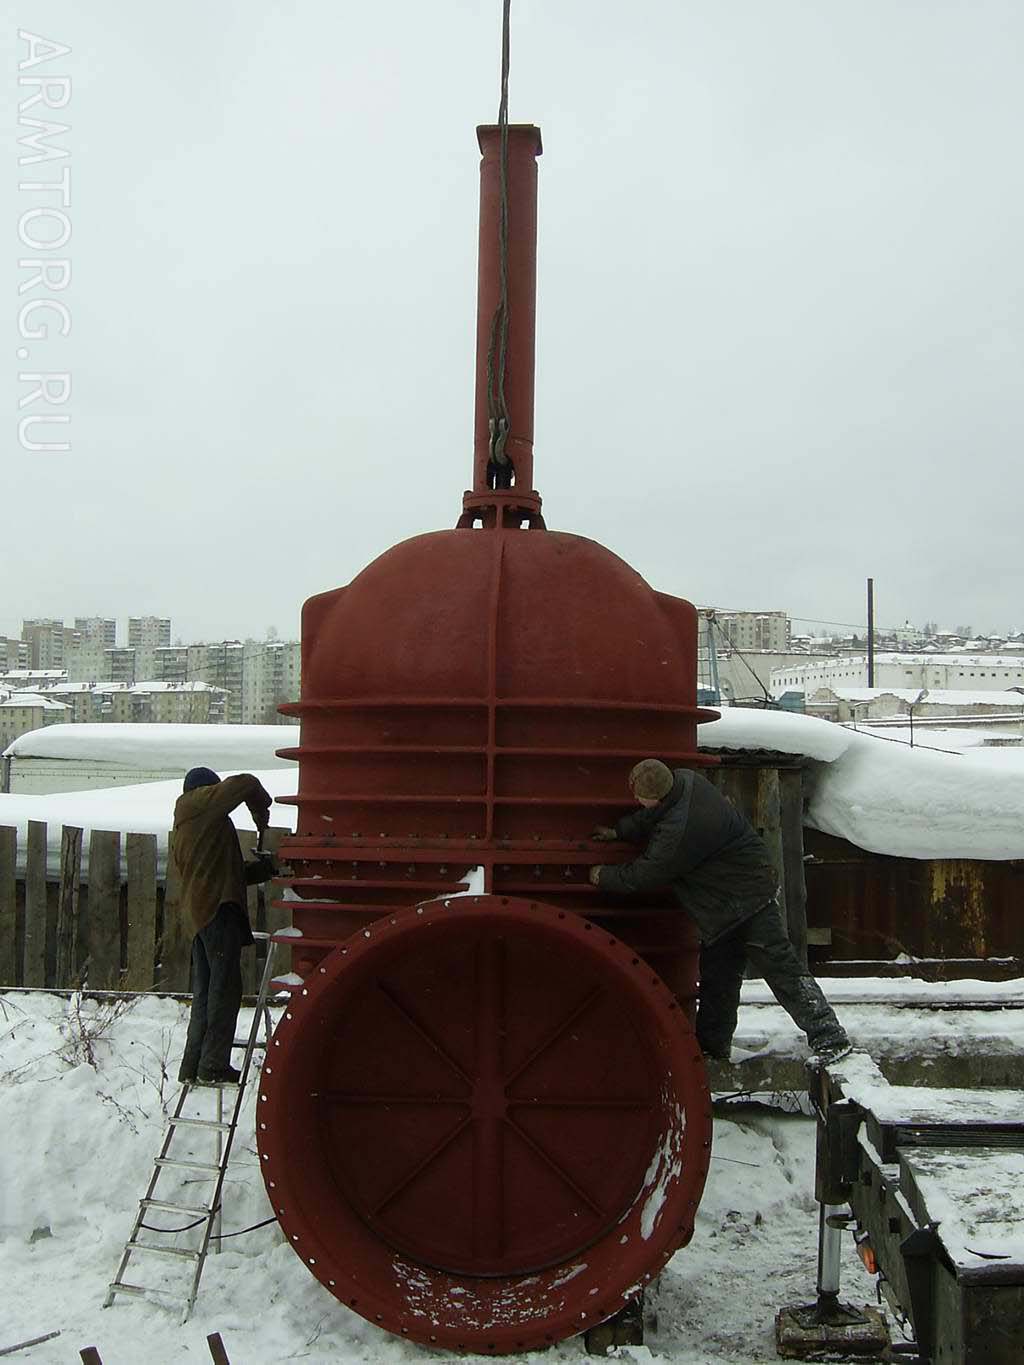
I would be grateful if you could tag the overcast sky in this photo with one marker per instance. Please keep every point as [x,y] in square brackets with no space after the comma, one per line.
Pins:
[780,335]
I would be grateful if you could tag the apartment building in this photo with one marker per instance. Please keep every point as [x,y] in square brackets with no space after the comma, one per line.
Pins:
[13,654]
[85,652]
[46,641]
[146,634]
[162,703]
[21,712]
[765,631]
[280,679]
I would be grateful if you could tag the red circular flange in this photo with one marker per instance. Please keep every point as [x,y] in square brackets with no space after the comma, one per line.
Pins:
[484,1123]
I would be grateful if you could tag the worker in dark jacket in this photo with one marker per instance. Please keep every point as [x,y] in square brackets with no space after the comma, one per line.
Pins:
[698,844]
[214,877]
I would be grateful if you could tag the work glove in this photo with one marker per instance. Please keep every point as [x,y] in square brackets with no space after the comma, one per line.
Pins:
[604,834]
[595,874]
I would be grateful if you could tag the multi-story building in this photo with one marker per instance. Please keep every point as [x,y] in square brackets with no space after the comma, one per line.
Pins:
[83,699]
[170,663]
[13,654]
[963,672]
[190,703]
[25,711]
[47,640]
[146,634]
[97,628]
[257,675]
[760,630]
[119,666]
[85,653]
[149,632]
[280,668]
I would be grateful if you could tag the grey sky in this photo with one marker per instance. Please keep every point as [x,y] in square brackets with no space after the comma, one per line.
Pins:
[780,336]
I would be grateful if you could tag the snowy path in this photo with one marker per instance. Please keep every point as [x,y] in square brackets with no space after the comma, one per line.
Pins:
[77,1151]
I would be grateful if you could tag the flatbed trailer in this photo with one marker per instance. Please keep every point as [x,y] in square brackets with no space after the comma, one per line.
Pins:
[932,1184]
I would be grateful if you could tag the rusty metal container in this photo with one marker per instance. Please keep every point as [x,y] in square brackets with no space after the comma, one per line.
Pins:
[475,698]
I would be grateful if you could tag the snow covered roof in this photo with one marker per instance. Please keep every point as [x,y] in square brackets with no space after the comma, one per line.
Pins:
[942,696]
[70,687]
[885,796]
[34,700]
[34,674]
[236,747]
[158,686]
[927,657]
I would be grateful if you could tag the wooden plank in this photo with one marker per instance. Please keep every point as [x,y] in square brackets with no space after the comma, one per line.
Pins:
[791,821]
[768,823]
[104,970]
[34,969]
[737,785]
[140,863]
[52,912]
[66,966]
[9,973]
[175,958]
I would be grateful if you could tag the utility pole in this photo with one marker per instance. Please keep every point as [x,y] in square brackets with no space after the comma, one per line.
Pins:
[871,632]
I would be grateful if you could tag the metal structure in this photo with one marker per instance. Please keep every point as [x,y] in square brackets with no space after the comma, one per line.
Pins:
[933,1181]
[484,1122]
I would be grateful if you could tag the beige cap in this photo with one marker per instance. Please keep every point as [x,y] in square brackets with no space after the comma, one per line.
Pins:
[651,779]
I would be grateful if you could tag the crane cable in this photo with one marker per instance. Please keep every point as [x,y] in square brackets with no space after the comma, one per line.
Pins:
[497,350]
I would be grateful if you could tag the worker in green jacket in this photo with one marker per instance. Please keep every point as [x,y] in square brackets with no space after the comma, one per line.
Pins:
[214,877]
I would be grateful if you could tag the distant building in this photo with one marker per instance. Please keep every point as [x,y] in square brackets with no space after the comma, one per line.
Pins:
[146,634]
[754,630]
[102,628]
[46,641]
[257,674]
[13,654]
[280,674]
[25,711]
[171,663]
[879,703]
[85,653]
[959,672]
[83,699]
[163,703]
[119,666]
[31,679]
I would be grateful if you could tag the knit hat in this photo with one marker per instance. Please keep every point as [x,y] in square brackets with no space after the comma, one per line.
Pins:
[200,777]
[651,779]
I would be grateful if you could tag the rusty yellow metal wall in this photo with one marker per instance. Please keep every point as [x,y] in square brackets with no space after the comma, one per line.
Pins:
[879,906]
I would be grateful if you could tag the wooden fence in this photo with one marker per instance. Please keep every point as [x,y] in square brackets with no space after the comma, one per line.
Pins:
[120,929]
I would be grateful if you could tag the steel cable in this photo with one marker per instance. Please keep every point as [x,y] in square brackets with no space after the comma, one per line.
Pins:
[497,350]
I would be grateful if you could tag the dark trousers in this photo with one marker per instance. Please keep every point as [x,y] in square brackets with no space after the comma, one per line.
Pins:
[216,993]
[761,941]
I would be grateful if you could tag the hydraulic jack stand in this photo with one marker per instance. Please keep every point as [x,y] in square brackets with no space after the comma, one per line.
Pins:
[828,1329]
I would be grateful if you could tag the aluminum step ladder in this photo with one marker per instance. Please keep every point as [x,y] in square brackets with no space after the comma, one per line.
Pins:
[208,1215]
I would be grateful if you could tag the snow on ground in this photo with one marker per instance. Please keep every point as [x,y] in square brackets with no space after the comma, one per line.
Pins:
[896,1031]
[85,1138]
[867,788]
